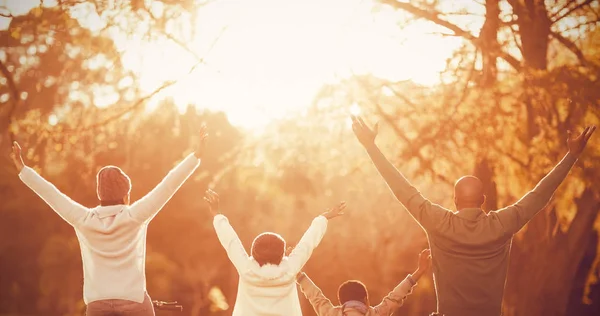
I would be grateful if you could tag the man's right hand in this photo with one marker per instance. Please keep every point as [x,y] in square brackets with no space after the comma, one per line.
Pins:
[212,198]
[16,157]
[366,136]
[577,144]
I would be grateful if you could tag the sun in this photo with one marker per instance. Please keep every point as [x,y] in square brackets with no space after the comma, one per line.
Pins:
[275,55]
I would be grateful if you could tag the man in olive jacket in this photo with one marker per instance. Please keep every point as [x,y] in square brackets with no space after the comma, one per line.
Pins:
[469,248]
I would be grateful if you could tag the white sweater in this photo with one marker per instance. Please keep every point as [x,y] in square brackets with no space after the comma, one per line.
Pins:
[271,289]
[112,238]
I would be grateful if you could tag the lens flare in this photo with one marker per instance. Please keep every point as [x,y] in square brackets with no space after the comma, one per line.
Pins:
[354,109]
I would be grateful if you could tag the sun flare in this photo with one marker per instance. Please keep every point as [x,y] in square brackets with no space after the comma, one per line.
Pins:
[271,57]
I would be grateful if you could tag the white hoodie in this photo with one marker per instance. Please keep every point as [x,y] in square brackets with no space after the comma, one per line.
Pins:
[269,290]
[112,238]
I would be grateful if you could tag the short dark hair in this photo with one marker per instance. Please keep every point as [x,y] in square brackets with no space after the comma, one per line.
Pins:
[353,290]
[268,248]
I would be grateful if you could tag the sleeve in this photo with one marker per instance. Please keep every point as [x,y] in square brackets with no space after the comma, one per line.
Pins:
[231,242]
[71,211]
[427,214]
[321,304]
[395,298]
[147,207]
[515,216]
[311,239]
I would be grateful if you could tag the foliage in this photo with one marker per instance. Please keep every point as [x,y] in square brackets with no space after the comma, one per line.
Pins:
[74,107]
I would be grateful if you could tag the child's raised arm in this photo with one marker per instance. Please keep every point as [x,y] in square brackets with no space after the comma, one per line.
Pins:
[312,237]
[315,296]
[226,234]
[395,298]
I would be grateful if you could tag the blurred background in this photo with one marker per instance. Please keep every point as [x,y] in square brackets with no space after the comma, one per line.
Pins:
[483,87]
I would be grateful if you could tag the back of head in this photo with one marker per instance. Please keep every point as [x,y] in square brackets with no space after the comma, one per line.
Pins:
[113,185]
[268,248]
[353,290]
[468,193]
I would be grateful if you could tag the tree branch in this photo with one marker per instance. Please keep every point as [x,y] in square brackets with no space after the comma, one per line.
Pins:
[415,152]
[140,102]
[6,13]
[134,106]
[572,47]
[434,17]
[554,19]
[172,38]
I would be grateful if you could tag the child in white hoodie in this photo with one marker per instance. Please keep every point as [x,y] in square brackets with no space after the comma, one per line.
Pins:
[267,284]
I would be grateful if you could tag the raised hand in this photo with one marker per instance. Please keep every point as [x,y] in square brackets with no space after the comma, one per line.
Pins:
[212,198]
[577,144]
[202,144]
[336,211]
[424,264]
[16,157]
[366,136]
[425,259]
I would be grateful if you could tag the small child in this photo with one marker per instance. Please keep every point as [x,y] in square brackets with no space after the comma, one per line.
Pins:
[267,284]
[354,298]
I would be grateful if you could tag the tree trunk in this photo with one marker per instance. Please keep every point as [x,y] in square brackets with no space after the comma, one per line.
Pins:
[534,30]
[544,260]
[489,43]
[485,172]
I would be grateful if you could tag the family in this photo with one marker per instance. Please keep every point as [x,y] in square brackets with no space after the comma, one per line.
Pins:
[468,248]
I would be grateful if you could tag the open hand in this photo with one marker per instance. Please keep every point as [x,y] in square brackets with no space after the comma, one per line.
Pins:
[425,260]
[202,144]
[16,157]
[424,264]
[366,136]
[212,198]
[335,211]
[577,144]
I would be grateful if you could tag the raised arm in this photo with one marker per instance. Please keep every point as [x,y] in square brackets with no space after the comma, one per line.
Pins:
[514,217]
[427,214]
[396,298]
[71,211]
[226,234]
[147,207]
[311,238]
[321,304]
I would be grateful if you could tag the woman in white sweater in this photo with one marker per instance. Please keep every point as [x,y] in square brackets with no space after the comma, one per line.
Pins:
[112,236]
[267,284]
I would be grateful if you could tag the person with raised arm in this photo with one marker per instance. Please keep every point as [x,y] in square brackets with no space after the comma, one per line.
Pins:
[354,297]
[470,249]
[112,236]
[267,277]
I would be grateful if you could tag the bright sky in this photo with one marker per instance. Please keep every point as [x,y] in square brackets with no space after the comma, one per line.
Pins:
[276,54]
